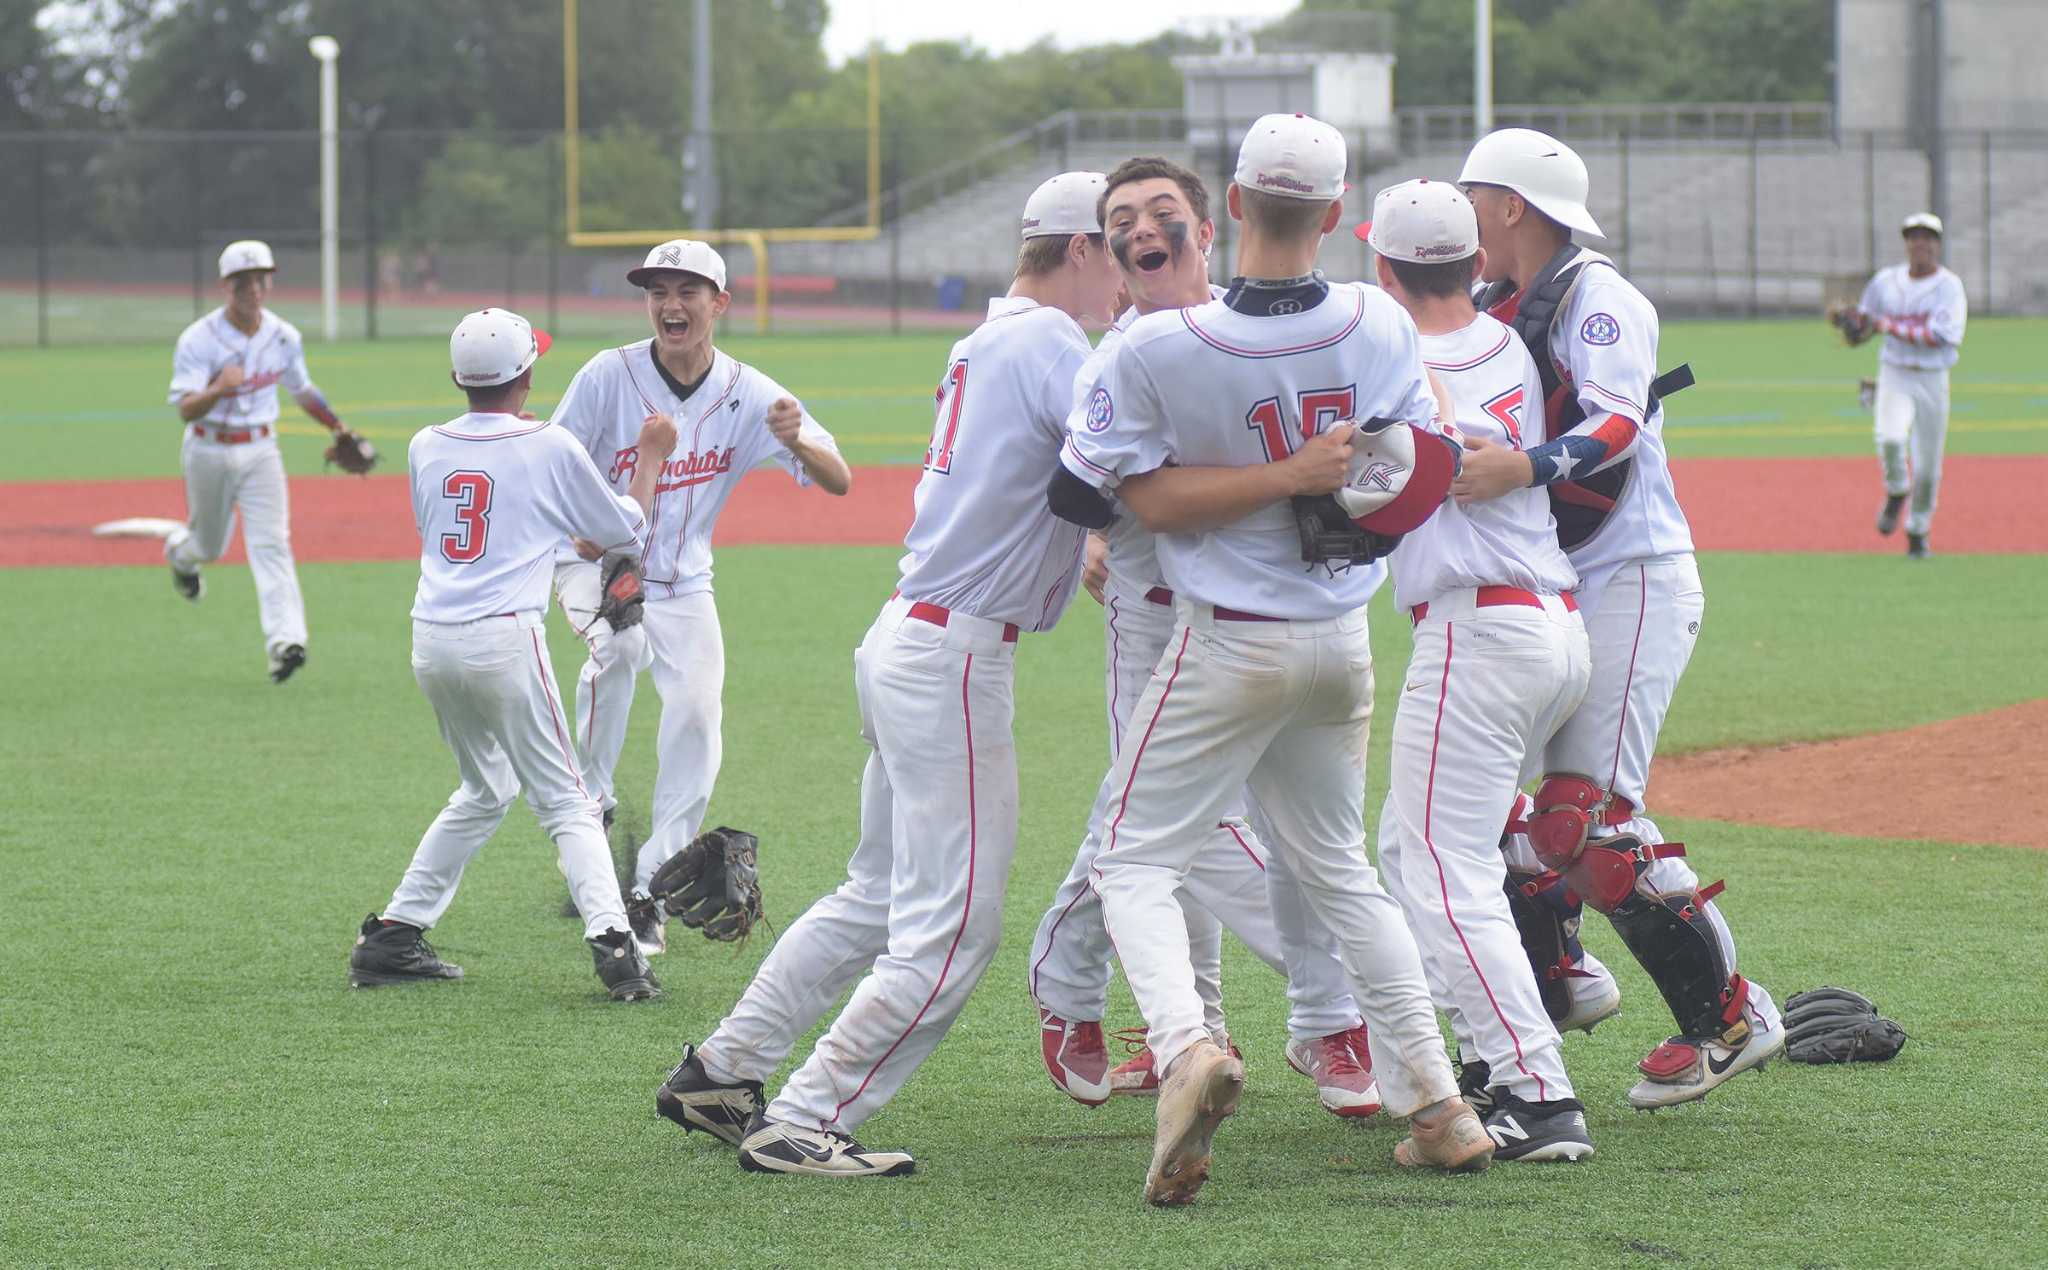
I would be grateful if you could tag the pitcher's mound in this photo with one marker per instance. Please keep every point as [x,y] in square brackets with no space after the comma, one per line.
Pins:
[1980,778]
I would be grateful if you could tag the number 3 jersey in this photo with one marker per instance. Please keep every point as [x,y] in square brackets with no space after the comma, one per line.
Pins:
[1505,541]
[984,540]
[1240,382]
[493,496]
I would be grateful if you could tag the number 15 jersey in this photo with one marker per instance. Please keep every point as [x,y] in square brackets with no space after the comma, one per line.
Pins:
[1239,382]
[493,496]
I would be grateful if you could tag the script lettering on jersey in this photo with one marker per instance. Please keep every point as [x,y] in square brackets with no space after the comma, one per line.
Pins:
[258,382]
[678,472]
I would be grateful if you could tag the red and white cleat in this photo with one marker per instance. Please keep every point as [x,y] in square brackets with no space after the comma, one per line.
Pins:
[1075,1058]
[1341,1067]
[1137,1075]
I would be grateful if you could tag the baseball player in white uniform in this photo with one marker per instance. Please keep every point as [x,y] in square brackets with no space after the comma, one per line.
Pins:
[730,418]
[1594,338]
[1500,661]
[1156,215]
[223,380]
[1920,309]
[921,909]
[1267,677]
[493,496]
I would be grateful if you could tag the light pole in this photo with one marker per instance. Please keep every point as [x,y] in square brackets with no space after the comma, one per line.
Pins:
[327,49]
[1482,68]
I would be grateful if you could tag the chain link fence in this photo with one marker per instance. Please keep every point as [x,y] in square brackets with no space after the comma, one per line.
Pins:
[113,236]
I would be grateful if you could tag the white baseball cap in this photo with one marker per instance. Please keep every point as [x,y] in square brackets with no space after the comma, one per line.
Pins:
[1292,156]
[1546,172]
[1922,220]
[494,346]
[1065,204]
[242,256]
[681,255]
[1425,222]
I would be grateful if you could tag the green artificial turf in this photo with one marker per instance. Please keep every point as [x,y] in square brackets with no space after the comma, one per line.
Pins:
[1767,389]
[186,1079]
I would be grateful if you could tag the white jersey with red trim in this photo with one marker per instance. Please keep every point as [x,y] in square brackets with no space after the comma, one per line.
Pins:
[493,496]
[1133,558]
[274,356]
[1930,314]
[721,434]
[984,541]
[1604,345]
[1214,387]
[1507,541]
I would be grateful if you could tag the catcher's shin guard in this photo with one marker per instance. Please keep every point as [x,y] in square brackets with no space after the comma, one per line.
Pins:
[1671,938]
[1547,916]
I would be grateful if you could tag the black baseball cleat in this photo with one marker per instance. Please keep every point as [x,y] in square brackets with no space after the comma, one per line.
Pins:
[649,922]
[610,814]
[190,585]
[389,953]
[1916,547]
[1888,519]
[285,661]
[700,1104]
[1473,1079]
[774,1147]
[622,967]
[1536,1131]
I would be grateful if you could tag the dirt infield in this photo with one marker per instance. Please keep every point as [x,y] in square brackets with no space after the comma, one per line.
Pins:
[1734,504]
[1941,782]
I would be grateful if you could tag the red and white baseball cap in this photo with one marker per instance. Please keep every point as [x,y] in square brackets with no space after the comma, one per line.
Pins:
[494,346]
[1424,222]
[1065,204]
[244,255]
[681,255]
[1292,156]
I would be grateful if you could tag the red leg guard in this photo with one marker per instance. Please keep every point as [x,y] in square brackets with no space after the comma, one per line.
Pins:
[1566,805]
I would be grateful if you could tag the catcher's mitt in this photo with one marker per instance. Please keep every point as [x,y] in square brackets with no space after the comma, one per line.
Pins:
[1852,322]
[713,885]
[352,452]
[1835,1025]
[621,600]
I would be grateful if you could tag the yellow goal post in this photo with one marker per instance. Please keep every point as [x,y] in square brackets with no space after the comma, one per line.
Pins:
[756,240]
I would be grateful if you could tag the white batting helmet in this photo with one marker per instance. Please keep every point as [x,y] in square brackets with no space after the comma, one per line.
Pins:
[1543,170]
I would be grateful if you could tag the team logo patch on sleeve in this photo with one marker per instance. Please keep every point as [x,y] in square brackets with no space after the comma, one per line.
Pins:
[1100,411]
[1601,328]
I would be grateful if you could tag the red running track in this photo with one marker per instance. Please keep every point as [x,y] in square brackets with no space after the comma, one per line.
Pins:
[1989,503]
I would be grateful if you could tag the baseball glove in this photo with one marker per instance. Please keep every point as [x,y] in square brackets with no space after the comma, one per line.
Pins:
[1835,1025]
[621,600]
[1852,322]
[352,452]
[713,885]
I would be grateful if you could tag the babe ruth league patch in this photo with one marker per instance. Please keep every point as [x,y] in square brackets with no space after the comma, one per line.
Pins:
[1601,328]
[1100,411]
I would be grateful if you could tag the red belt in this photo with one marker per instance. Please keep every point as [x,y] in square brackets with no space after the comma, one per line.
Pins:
[1236,615]
[1160,595]
[232,436]
[1490,596]
[939,617]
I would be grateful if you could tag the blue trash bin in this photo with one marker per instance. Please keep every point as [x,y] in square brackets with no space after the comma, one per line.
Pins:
[952,291]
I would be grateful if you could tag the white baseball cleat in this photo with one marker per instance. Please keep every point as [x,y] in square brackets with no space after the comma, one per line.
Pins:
[1594,1001]
[1685,1068]
[775,1147]
[1199,1094]
[1341,1069]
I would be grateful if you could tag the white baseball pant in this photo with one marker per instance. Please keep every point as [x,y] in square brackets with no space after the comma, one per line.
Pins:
[1641,628]
[604,687]
[219,478]
[1283,706]
[1226,887]
[1912,419]
[1487,685]
[493,691]
[922,904]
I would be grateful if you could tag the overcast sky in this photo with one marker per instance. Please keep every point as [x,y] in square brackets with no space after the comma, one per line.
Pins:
[1004,27]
